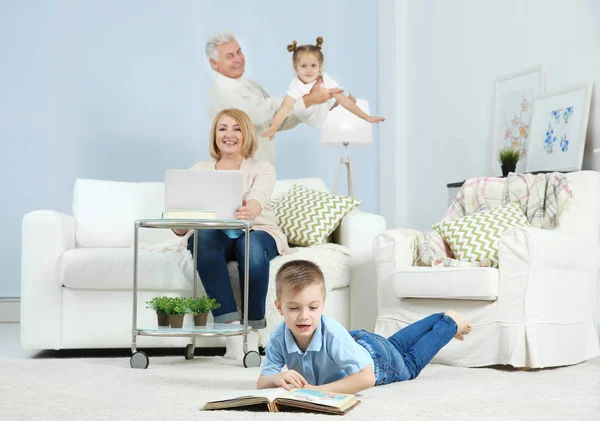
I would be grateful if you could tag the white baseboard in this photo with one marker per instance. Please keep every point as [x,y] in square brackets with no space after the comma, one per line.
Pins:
[10,310]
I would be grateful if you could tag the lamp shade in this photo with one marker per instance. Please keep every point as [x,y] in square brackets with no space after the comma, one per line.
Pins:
[341,127]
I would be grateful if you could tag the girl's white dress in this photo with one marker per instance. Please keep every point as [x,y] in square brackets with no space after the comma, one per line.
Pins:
[298,89]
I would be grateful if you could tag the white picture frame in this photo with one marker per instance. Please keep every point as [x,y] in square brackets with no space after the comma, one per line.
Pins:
[514,95]
[559,129]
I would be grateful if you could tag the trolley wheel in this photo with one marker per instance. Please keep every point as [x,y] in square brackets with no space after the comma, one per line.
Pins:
[139,359]
[252,359]
[189,351]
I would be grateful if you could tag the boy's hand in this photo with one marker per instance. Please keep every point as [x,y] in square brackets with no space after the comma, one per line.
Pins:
[269,133]
[375,119]
[290,377]
[311,387]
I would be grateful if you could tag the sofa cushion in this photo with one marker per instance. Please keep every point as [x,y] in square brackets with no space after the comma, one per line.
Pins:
[105,212]
[112,268]
[447,283]
[308,217]
[475,237]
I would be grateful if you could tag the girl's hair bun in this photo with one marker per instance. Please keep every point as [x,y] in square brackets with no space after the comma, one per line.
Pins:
[319,42]
[292,47]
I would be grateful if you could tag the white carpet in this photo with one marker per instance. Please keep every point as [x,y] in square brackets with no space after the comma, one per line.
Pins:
[173,389]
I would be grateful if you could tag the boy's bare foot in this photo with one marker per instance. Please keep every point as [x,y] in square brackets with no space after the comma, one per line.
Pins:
[463,326]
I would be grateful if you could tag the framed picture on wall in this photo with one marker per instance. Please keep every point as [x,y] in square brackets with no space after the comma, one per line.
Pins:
[558,129]
[513,100]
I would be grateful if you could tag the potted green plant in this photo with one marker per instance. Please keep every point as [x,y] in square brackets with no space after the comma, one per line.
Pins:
[508,160]
[176,310]
[200,307]
[161,306]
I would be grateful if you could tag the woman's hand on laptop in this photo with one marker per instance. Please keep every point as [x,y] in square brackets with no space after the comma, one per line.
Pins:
[249,210]
[180,233]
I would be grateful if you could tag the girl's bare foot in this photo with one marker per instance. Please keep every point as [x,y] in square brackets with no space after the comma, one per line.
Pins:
[463,326]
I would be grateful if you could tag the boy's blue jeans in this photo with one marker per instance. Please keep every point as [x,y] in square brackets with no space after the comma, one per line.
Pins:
[215,249]
[403,355]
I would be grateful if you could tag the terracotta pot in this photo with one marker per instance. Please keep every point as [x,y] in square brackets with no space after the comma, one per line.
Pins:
[200,319]
[163,319]
[176,321]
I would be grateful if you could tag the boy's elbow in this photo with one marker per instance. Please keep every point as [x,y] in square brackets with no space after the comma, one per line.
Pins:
[260,382]
[369,379]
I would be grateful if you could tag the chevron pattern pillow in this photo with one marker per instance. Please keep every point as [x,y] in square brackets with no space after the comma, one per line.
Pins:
[476,236]
[308,217]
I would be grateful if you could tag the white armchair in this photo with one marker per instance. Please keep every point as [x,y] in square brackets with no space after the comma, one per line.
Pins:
[537,310]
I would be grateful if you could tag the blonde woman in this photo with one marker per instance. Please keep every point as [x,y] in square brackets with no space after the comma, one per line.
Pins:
[232,144]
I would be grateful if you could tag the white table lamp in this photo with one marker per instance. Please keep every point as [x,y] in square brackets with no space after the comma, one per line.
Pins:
[342,128]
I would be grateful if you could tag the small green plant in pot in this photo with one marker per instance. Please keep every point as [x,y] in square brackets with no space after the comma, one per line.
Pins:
[161,306]
[200,307]
[177,309]
[508,160]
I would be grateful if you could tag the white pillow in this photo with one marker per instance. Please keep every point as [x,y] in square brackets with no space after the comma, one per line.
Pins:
[105,212]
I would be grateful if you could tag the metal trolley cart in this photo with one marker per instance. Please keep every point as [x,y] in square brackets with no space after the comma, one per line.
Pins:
[139,359]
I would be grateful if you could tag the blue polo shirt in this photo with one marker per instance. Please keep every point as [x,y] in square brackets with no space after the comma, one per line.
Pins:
[331,355]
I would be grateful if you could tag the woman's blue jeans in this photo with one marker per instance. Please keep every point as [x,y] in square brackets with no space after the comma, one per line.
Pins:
[403,355]
[215,249]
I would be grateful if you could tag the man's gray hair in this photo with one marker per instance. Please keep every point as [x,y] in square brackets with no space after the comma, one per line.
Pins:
[215,40]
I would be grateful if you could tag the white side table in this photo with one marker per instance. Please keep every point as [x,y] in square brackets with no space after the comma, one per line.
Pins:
[139,359]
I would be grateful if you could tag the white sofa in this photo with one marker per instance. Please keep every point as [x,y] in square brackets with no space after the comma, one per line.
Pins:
[76,282]
[537,310]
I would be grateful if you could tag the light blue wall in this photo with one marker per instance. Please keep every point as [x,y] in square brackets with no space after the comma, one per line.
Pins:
[116,90]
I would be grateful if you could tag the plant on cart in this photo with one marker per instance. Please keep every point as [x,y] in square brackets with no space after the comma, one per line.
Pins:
[200,307]
[176,310]
[161,306]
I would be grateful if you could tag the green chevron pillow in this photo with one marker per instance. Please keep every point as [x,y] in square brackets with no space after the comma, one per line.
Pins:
[476,236]
[308,217]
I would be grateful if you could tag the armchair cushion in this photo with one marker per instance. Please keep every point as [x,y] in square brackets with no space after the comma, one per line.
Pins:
[308,217]
[475,236]
[447,283]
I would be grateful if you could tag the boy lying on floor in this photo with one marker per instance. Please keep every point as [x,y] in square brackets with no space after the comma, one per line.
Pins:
[321,354]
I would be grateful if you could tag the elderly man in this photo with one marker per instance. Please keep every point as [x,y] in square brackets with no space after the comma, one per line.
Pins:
[232,90]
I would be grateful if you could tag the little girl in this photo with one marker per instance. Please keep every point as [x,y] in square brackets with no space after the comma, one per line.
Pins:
[308,63]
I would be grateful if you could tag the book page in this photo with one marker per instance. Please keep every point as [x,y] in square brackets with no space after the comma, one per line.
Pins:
[336,400]
[270,394]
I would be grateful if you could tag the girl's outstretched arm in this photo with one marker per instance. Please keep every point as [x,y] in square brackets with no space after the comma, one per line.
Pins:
[353,108]
[280,116]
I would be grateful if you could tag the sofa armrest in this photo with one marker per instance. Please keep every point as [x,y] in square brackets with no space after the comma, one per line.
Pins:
[547,277]
[46,235]
[357,232]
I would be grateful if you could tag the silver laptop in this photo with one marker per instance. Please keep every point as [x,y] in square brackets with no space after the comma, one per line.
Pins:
[221,191]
